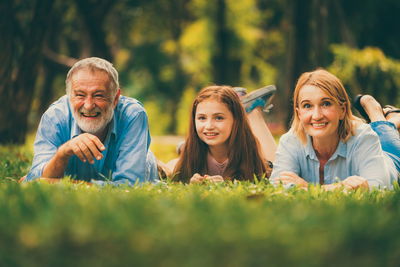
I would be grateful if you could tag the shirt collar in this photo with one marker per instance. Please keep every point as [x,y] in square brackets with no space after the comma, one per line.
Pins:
[340,150]
[310,152]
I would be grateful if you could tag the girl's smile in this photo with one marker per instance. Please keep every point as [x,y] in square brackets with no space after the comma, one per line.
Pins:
[213,122]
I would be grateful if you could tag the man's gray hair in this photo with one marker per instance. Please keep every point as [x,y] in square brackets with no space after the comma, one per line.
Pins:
[93,64]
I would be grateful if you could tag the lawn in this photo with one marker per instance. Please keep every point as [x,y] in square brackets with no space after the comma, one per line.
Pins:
[232,224]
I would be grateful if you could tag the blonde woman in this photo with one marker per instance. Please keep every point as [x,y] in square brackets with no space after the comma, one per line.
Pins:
[327,144]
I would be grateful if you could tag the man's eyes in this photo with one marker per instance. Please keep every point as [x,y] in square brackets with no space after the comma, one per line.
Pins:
[96,95]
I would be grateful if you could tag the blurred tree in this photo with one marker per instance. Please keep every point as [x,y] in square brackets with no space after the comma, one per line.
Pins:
[367,71]
[374,23]
[315,24]
[226,64]
[154,64]
[23,30]
[165,49]
[299,44]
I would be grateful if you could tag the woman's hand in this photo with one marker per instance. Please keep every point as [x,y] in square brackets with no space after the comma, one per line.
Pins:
[350,183]
[290,177]
[355,182]
[197,178]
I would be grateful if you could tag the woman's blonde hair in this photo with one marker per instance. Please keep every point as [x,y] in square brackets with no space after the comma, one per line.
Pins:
[333,87]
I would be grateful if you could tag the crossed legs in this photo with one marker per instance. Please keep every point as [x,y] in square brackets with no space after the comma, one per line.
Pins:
[385,126]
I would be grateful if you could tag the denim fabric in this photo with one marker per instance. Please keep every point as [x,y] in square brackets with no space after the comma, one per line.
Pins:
[390,140]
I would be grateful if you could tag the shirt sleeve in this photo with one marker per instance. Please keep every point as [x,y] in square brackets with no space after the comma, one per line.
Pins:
[286,156]
[370,160]
[48,139]
[134,163]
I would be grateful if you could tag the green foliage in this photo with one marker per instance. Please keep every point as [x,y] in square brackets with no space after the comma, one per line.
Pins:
[15,162]
[162,151]
[234,224]
[367,71]
[171,224]
[183,114]
[159,119]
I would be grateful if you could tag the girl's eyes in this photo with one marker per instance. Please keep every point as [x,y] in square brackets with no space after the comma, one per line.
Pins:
[306,106]
[217,118]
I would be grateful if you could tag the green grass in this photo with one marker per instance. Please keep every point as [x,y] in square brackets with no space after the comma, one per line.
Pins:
[233,224]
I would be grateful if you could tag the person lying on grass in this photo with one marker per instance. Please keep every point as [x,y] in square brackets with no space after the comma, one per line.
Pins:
[93,133]
[220,144]
[330,146]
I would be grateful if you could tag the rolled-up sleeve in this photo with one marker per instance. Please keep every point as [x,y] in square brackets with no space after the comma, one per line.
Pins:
[133,162]
[48,139]
[286,156]
[370,160]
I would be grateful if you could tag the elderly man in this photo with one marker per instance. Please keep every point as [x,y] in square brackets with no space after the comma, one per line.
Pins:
[93,133]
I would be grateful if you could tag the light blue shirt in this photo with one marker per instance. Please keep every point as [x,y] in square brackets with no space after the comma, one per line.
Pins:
[126,159]
[361,155]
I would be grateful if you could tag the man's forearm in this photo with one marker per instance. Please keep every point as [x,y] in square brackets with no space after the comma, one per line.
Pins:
[55,168]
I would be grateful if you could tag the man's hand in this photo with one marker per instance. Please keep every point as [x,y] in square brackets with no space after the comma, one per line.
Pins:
[87,147]
[290,177]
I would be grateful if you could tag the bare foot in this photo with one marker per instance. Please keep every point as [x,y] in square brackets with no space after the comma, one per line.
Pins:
[393,117]
[372,108]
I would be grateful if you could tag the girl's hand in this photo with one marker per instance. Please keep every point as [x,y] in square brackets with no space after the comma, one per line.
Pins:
[197,178]
[214,178]
[290,177]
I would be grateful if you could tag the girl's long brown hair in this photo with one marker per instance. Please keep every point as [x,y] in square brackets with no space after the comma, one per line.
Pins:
[244,157]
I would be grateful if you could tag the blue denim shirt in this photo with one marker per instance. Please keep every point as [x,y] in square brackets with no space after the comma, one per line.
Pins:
[361,155]
[126,159]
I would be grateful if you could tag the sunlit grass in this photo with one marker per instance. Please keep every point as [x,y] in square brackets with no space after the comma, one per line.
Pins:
[170,224]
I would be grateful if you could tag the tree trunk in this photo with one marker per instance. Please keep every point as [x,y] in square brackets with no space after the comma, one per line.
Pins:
[17,89]
[220,58]
[320,33]
[299,46]
[93,17]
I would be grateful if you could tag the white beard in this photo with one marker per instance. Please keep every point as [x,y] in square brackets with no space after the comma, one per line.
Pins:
[93,126]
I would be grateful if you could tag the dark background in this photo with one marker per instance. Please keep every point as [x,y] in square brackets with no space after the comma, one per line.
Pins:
[163,48]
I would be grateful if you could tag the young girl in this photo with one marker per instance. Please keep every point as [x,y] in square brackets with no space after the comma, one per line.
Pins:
[220,143]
